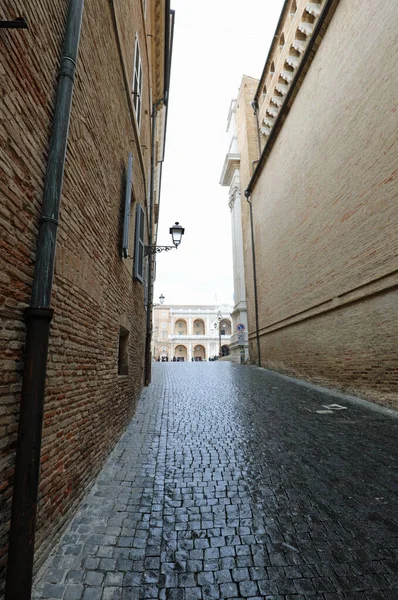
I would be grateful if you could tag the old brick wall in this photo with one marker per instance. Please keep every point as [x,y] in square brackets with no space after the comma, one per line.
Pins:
[87,403]
[325,213]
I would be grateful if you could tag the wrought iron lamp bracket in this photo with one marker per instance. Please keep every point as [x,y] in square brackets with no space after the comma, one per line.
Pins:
[156,249]
[19,23]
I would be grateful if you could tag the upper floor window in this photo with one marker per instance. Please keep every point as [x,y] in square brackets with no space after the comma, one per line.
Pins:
[272,70]
[137,82]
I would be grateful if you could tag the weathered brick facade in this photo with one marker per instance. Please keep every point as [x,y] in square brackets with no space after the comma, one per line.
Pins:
[325,199]
[87,403]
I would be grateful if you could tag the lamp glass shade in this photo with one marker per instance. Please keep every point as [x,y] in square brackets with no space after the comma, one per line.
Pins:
[176,233]
[161,298]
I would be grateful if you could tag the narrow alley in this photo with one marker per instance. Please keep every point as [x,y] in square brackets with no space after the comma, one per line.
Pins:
[234,482]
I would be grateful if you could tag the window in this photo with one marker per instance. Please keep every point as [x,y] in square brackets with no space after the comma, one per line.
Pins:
[127,203]
[164,325]
[137,82]
[123,360]
[164,334]
[272,71]
[180,324]
[282,41]
[139,243]
[164,314]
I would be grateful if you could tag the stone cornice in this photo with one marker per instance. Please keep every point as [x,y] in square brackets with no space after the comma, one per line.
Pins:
[158,20]
[231,162]
[274,110]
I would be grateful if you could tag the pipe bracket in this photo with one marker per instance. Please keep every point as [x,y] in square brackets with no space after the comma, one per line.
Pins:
[36,312]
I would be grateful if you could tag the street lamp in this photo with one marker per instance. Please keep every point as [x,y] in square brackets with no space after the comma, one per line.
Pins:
[176,234]
[161,301]
[219,317]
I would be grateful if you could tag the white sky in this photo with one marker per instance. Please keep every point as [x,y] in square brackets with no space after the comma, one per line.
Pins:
[215,43]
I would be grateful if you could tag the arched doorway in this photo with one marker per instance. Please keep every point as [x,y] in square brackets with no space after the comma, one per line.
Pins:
[198,327]
[180,353]
[225,351]
[199,353]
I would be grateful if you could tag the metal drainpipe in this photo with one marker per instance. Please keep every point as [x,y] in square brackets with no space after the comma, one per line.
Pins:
[148,369]
[247,195]
[38,317]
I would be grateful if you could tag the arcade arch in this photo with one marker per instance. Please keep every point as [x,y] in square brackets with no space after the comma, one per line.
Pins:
[199,352]
[199,327]
[181,352]
[225,325]
[180,327]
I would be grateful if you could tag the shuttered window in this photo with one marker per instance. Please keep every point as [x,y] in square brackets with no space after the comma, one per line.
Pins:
[127,204]
[137,82]
[139,243]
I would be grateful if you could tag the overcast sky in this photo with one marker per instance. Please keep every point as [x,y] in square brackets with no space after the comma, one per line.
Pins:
[215,44]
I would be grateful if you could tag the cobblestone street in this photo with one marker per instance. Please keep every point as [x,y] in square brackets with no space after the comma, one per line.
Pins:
[232,482]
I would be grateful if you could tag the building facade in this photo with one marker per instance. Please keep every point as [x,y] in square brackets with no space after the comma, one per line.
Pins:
[108,213]
[318,157]
[230,177]
[190,333]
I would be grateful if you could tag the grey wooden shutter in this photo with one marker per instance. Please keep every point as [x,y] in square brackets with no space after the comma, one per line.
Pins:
[139,243]
[127,203]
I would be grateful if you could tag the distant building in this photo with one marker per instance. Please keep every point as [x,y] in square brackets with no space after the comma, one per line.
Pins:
[191,332]
[109,204]
[317,145]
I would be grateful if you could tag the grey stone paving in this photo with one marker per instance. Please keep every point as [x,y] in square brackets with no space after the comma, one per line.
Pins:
[229,484]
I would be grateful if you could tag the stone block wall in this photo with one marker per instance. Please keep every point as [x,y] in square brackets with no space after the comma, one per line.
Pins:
[87,403]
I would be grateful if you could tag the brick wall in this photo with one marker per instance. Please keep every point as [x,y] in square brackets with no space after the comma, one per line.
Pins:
[87,404]
[325,215]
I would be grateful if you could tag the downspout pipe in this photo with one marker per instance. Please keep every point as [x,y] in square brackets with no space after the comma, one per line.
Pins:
[169,36]
[148,337]
[38,317]
[247,195]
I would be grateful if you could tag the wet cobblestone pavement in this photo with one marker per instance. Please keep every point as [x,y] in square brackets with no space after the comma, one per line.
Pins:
[232,482]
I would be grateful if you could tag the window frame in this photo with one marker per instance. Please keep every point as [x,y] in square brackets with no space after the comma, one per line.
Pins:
[136,89]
